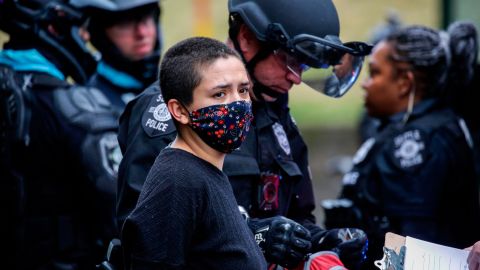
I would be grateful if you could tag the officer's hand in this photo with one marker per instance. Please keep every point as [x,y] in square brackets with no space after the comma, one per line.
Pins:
[283,241]
[474,257]
[349,243]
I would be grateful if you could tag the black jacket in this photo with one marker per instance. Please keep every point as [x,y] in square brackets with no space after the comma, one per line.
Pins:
[62,178]
[416,179]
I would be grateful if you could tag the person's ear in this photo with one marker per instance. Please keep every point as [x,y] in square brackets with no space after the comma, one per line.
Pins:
[178,111]
[249,44]
[406,83]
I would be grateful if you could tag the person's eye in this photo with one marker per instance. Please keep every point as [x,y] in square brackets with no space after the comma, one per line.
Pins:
[244,90]
[373,72]
[219,94]
[147,19]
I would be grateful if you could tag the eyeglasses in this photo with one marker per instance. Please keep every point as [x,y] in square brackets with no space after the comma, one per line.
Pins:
[326,64]
[291,62]
[127,26]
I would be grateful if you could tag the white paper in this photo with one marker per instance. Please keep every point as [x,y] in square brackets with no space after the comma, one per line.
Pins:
[422,255]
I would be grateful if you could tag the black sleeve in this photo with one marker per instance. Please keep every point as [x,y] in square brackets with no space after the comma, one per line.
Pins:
[139,149]
[88,125]
[161,227]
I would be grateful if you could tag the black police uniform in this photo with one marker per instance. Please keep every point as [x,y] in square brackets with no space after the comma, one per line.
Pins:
[141,145]
[64,173]
[273,155]
[269,172]
[415,179]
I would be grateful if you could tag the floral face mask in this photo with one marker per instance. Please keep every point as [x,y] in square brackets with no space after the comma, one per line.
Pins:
[223,126]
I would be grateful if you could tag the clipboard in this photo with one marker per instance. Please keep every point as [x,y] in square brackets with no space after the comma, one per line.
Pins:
[419,253]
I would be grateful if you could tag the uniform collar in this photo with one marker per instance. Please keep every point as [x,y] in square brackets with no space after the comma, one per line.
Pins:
[29,61]
[419,109]
[264,114]
[117,77]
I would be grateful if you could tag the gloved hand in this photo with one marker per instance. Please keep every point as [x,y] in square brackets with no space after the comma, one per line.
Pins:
[282,241]
[350,244]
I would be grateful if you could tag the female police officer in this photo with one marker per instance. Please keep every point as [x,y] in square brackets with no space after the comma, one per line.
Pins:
[128,36]
[416,177]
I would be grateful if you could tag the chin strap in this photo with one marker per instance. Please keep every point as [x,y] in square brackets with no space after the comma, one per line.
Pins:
[264,52]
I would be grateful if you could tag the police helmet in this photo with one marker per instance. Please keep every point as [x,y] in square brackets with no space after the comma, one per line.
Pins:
[105,13]
[114,5]
[28,21]
[308,32]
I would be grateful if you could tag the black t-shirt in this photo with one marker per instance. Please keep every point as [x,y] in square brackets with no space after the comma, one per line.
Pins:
[187,218]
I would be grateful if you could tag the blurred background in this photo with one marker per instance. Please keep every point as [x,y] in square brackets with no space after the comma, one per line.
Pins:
[329,126]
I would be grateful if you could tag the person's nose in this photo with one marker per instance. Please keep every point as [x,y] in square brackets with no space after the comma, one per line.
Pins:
[236,96]
[142,28]
[365,83]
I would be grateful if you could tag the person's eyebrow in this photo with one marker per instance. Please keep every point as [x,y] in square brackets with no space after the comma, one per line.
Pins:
[245,83]
[223,86]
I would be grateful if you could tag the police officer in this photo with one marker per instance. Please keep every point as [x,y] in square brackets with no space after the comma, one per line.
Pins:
[416,177]
[465,81]
[59,150]
[278,40]
[127,34]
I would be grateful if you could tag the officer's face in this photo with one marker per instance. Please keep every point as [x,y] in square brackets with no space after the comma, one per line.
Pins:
[384,93]
[224,81]
[271,71]
[135,39]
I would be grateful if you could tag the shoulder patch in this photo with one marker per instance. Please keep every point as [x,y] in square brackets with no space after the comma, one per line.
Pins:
[408,149]
[281,137]
[86,107]
[156,119]
[110,153]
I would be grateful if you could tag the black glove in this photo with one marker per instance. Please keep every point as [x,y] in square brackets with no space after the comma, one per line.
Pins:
[349,243]
[282,241]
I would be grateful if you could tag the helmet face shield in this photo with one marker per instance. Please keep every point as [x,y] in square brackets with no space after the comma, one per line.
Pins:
[330,67]
[334,80]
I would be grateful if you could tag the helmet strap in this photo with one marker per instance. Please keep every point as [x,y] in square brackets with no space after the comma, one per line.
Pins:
[264,52]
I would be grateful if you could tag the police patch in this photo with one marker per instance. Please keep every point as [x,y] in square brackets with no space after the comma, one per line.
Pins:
[110,153]
[156,119]
[408,149]
[281,138]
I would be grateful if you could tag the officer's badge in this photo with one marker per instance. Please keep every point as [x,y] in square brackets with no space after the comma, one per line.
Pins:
[156,120]
[408,150]
[363,151]
[281,138]
[110,153]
